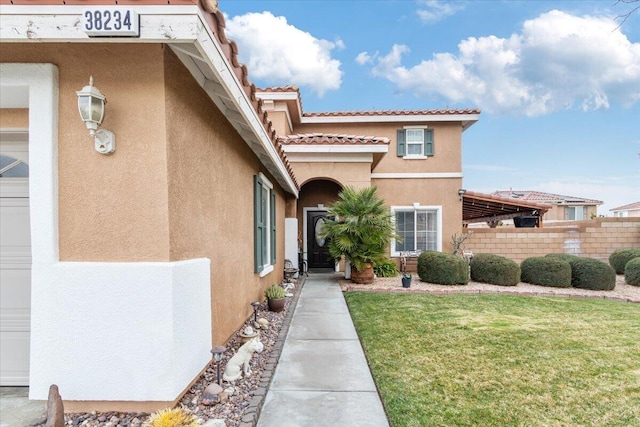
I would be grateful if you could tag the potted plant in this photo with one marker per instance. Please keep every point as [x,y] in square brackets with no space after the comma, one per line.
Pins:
[359,227]
[406,280]
[275,296]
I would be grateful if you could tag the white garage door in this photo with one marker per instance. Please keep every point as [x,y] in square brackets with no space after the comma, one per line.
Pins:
[15,259]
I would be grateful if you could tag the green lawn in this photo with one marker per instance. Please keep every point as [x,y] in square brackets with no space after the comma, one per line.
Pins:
[492,360]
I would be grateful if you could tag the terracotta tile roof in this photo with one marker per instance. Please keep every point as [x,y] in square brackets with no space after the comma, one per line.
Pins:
[215,19]
[538,196]
[393,113]
[292,88]
[331,139]
[630,207]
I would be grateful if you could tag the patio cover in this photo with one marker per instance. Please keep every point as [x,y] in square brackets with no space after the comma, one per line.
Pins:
[480,207]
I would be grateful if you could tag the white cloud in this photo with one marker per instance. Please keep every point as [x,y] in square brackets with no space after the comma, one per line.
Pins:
[281,54]
[433,11]
[557,61]
[364,58]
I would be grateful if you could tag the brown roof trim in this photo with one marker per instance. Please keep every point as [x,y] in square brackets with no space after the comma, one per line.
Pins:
[332,139]
[507,200]
[539,196]
[469,111]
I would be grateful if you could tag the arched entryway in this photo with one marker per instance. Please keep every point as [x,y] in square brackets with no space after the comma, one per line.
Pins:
[315,197]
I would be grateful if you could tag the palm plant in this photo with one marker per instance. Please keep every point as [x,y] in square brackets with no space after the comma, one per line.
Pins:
[359,228]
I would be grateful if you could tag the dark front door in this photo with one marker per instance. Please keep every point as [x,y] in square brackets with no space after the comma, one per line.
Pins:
[317,248]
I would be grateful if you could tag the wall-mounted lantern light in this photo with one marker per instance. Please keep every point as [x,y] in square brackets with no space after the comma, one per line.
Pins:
[91,105]
[461,193]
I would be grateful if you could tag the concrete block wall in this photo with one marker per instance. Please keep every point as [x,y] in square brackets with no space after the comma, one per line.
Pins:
[596,238]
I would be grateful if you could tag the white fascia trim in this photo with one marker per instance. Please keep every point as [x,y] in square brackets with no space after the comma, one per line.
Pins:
[415,175]
[277,96]
[394,118]
[336,148]
[158,24]
[208,44]
[330,157]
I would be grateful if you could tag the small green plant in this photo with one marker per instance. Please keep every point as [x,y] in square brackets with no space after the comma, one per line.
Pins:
[176,417]
[386,268]
[619,258]
[632,272]
[495,269]
[546,271]
[593,274]
[274,292]
[441,268]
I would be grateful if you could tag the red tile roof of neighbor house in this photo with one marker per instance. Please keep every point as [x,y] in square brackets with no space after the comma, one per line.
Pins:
[331,139]
[630,207]
[538,196]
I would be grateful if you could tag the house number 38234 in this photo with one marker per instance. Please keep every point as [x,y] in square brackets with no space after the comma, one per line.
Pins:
[111,22]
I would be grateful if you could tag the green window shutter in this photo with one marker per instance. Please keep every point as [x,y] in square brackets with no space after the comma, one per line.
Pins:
[428,142]
[273,227]
[402,146]
[258,224]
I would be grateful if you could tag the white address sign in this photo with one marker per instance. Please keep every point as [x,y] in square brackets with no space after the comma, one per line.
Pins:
[110,21]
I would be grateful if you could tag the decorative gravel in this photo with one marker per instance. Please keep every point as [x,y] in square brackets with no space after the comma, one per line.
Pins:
[621,292]
[243,405]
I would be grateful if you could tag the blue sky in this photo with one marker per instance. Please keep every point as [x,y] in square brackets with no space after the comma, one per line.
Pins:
[558,82]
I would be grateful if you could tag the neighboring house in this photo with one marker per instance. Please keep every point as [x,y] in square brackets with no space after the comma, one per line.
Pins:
[630,210]
[123,270]
[565,208]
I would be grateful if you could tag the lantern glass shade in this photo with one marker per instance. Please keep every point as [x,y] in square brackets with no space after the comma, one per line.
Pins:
[91,106]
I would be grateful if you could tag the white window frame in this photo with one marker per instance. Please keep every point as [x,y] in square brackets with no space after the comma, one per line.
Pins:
[574,209]
[415,208]
[407,143]
[267,185]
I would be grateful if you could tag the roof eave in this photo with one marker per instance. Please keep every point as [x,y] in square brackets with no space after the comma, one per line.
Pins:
[186,30]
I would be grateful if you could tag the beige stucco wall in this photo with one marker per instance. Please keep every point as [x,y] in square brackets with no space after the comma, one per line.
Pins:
[346,174]
[427,192]
[179,185]
[211,199]
[111,208]
[447,145]
[14,117]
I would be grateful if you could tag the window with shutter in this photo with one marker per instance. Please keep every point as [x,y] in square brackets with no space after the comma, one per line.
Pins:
[415,143]
[264,225]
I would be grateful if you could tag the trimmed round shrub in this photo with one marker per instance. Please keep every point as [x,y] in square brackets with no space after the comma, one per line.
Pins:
[564,257]
[443,269]
[546,271]
[620,257]
[632,272]
[593,274]
[495,269]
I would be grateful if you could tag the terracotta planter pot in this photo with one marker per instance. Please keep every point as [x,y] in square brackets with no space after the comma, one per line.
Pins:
[276,304]
[364,276]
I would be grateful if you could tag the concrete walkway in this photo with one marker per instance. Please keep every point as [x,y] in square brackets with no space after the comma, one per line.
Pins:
[322,378]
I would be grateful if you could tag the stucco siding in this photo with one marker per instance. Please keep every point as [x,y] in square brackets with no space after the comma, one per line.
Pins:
[211,199]
[111,208]
[427,192]
[447,145]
